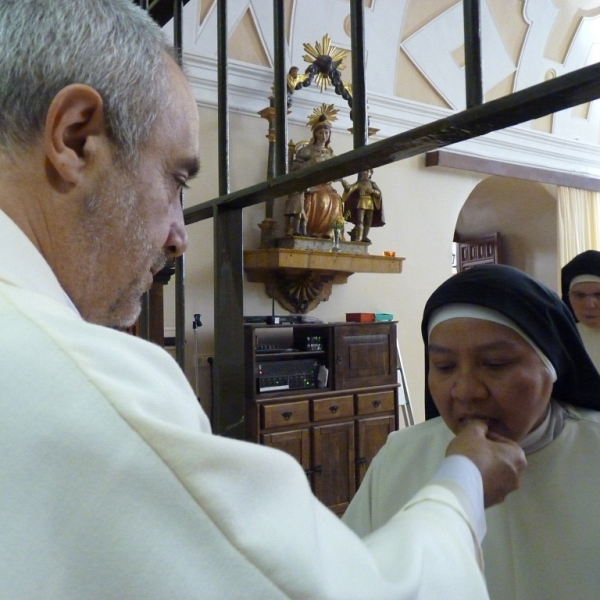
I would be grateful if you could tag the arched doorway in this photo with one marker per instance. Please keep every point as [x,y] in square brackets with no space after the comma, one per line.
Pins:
[525,214]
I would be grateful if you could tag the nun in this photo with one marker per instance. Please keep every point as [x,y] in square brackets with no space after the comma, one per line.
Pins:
[502,348]
[580,287]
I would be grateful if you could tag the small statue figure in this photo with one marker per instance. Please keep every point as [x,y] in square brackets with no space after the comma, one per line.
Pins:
[364,206]
[295,216]
[322,203]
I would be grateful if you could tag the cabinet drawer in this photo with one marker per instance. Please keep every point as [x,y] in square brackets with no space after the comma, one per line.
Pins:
[332,408]
[291,413]
[374,403]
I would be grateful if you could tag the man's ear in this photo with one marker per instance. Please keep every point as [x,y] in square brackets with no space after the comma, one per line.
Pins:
[74,133]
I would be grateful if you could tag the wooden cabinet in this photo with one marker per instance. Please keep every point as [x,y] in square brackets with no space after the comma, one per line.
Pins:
[333,427]
[365,355]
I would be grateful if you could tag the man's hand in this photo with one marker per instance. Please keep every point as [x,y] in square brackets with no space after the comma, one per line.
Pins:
[499,460]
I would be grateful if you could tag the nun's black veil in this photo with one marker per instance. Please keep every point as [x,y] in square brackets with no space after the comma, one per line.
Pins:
[586,263]
[538,311]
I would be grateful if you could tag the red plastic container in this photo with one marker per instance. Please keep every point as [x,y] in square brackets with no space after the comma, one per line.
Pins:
[360,317]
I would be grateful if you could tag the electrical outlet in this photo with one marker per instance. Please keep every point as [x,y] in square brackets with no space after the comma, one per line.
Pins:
[203,360]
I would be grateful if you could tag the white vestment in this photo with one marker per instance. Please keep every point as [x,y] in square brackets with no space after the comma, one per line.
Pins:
[543,542]
[113,487]
[591,341]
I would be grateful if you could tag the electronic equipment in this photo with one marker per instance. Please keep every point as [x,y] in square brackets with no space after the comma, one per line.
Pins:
[275,319]
[271,349]
[287,374]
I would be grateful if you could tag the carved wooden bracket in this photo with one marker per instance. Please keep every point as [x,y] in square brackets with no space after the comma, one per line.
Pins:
[299,280]
[299,293]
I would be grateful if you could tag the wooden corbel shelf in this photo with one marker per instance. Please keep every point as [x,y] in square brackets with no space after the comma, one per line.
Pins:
[300,279]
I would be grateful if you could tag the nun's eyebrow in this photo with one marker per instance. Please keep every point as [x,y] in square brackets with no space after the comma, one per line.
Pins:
[491,346]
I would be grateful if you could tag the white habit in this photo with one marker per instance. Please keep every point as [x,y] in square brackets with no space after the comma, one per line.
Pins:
[591,341]
[543,541]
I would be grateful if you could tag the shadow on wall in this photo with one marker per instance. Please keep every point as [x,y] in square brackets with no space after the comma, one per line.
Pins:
[525,214]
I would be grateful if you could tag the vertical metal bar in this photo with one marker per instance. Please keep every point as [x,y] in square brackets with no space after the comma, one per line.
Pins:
[178,29]
[144,318]
[359,93]
[179,261]
[228,367]
[222,97]
[473,65]
[281,133]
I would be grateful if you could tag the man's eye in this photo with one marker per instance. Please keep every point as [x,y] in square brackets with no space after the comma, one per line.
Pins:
[443,367]
[181,183]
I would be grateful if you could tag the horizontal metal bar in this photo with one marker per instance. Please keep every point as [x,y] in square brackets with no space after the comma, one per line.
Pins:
[572,89]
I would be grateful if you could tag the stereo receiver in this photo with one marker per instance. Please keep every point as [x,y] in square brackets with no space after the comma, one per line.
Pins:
[287,374]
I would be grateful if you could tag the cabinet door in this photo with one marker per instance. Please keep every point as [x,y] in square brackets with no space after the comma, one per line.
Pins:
[294,442]
[334,479]
[365,355]
[371,435]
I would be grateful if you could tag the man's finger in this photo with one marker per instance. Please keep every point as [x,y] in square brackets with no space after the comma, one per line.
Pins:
[477,424]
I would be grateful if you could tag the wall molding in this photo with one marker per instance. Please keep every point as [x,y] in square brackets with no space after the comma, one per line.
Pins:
[250,87]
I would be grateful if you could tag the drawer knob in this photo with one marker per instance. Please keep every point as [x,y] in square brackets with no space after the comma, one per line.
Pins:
[334,408]
[376,403]
[287,414]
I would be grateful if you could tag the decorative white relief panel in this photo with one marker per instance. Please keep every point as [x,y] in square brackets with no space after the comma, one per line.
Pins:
[433,49]
[573,144]
[534,67]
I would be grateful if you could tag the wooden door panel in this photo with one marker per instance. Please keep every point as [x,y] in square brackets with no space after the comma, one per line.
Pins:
[333,465]
[365,356]
[296,443]
[371,435]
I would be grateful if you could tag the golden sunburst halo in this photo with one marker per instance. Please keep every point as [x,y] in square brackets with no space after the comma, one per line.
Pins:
[326,113]
[326,57]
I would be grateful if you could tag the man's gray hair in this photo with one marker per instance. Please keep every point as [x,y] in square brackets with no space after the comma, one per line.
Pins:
[111,45]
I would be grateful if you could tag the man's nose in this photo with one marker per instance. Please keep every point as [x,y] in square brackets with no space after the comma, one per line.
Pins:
[177,241]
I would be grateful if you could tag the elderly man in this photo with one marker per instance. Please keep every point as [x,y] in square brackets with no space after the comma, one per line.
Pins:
[112,484]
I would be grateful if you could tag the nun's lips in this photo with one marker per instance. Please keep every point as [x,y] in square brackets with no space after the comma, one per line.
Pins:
[466,418]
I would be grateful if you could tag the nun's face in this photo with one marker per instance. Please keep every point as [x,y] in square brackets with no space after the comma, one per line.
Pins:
[484,370]
[585,300]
